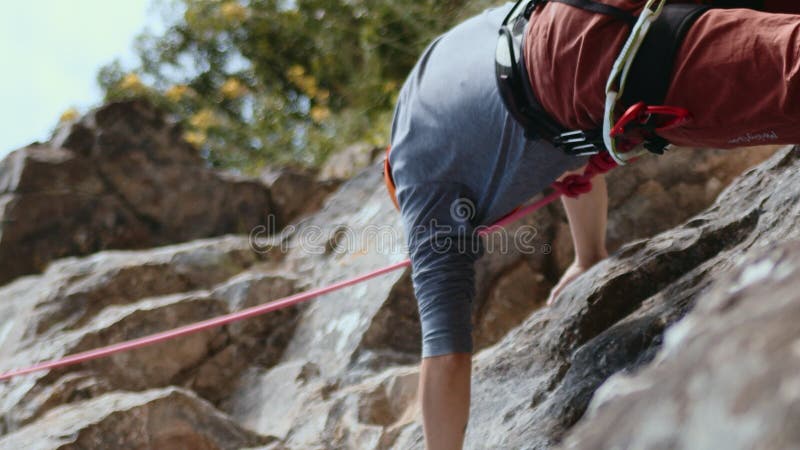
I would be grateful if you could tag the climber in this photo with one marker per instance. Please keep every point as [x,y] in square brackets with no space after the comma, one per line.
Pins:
[461,158]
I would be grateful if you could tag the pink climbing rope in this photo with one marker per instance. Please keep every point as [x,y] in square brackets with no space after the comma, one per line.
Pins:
[571,186]
[219,321]
[520,213]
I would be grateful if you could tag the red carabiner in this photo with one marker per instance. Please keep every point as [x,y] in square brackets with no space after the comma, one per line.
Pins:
[640,115]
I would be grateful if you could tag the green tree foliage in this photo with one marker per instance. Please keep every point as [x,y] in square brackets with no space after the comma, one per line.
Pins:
[281,80]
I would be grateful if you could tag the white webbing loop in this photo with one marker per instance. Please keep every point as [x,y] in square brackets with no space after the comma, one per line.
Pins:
[619,74]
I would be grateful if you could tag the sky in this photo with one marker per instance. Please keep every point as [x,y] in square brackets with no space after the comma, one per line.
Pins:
[50,52]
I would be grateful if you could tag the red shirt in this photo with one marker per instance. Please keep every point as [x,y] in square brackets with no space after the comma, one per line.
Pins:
[737,71]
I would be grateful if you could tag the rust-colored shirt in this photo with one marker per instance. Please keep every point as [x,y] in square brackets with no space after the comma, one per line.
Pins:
[737,72]
[569,53]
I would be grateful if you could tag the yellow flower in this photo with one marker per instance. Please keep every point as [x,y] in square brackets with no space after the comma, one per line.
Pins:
[177,92]
[295,73]
[307,83]
[319,113]
[233,11]
[68,115]
[233,88]
[195,138]
[204,119]
[131,82]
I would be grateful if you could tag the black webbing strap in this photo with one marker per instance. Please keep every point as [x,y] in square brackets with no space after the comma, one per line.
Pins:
[651,72]
[536,117]
[600,8]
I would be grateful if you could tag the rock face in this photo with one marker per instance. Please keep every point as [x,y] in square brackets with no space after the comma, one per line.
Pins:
[122,177]
[164,419]
[726,376]
[341,371]
[612,321]
[115,296]
[296,191]
[349,161]
[645,198]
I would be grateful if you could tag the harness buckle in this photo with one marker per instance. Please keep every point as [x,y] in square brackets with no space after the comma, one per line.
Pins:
[579,143]
[642,123]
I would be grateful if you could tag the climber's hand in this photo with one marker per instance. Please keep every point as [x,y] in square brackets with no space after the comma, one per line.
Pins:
[570,274]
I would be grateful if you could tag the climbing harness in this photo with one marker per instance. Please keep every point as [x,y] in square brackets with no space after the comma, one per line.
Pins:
[617,80]
[640,124]
[517,93]
[646,58]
